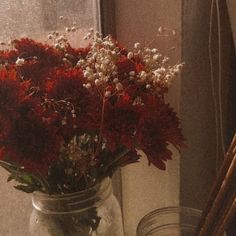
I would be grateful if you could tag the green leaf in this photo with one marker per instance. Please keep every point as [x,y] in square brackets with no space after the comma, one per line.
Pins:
[33,181]
[9,167]
[25,188]
[10,178]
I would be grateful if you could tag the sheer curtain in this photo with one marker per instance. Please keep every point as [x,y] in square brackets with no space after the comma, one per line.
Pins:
[35,19]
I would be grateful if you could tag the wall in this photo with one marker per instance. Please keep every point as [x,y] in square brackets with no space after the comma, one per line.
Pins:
[198,112]
[146,188]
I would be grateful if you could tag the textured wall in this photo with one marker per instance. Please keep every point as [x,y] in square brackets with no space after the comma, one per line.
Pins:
[146,188]
[15,209]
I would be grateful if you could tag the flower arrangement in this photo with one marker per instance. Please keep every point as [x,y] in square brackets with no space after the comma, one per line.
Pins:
[70,117]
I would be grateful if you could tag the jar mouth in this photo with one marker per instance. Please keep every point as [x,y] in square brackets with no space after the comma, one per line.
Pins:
[174,217]
[105,181]
[192,211]
[166,228]
[73,202]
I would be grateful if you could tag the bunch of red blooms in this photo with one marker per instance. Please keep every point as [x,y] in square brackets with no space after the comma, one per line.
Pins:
[72,116]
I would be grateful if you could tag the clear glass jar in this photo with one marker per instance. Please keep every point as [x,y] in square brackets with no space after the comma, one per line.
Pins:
[94,212]
[169,221]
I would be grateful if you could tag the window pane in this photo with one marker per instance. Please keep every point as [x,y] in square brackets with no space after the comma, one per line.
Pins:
[37,18]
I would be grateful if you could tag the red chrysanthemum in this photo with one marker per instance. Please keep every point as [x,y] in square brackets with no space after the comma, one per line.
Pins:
[11,91]
[66,87]
[32,142]
[158,127]
[125,65]
[5,127]
[8,56]
[30,49]
[120,122]
[39,60]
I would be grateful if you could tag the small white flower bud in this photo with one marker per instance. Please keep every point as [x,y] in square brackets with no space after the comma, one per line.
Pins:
[61,39]
[20,61]
[68,29]
[148,86]
[103,66]
[86,74]
[119,86]
[100,74]
[97,82]
[50,36]
[116,80]
[73,29]
[61,17]
[166,59]
[107,94]
[155,57]
[63,122]
[132,73]
[114,73]
[130,55]
[61,46]
[57,45]
[143,75]
[154,50]
[168,77]
[161,29]
[65,60]
[88,86]
[137,45]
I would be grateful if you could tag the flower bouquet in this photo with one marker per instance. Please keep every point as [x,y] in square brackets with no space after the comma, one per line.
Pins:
[70,117]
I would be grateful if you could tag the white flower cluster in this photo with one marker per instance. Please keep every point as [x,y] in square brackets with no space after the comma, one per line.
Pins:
[156,70]
[100,65]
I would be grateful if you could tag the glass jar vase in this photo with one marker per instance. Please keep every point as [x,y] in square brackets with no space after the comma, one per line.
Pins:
[94,212]
[170,221]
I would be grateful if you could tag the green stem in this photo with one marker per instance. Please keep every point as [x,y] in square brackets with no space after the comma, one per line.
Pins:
[117,158]
[101,126]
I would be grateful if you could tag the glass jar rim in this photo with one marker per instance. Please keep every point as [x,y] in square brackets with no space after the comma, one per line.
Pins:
[148,223]
[73,202]
[106,182]
[169,209]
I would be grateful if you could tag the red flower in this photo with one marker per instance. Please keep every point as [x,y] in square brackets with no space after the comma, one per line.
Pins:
[66,87]
[5,127]
[120,122]
[8,56]
[32,142]
[11,91]
[30,49]
[158,127]
[39,59]
[125,65]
